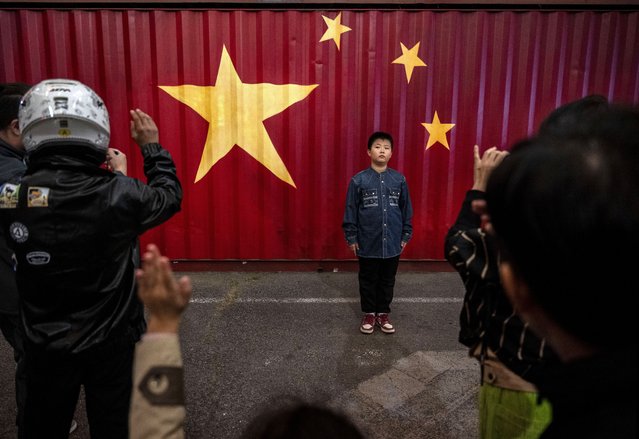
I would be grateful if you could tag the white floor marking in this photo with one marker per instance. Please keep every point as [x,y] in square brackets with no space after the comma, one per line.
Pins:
[321,300]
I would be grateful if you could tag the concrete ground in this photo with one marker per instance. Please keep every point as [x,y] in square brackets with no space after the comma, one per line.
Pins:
[252,339]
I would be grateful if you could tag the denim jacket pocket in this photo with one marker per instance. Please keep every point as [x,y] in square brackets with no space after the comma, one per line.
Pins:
[370,198]
[393,198]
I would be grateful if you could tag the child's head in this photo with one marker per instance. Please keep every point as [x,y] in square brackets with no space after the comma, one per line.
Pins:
[9,105]
[285,419]
[10,96]
[565,209]
[379,135]
[569,117]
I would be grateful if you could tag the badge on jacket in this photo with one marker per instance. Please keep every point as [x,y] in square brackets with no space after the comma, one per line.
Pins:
[9,196]
[37,196]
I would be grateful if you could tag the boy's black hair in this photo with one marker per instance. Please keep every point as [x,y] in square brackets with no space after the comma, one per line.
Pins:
[566,213]
[10,96]
[379,135]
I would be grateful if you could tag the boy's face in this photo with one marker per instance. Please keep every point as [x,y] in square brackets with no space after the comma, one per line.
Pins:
[380,152]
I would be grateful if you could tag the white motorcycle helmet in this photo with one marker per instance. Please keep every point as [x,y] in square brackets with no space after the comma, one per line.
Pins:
[63,111]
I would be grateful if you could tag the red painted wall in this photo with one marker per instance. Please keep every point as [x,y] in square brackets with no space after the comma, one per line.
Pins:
[495,75]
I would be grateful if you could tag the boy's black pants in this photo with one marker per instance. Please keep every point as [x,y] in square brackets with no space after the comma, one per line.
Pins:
[376,283]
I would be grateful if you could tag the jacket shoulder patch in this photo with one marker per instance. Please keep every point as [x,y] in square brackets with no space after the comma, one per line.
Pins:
[37,196]
[9,196]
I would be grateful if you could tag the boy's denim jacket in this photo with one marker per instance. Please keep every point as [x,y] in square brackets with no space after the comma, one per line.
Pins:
[378,213]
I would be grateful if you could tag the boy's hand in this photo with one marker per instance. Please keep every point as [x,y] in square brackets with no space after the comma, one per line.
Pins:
[354,248]
[143,128]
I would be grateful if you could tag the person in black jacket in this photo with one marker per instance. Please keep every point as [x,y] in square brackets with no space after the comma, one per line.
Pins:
[74,227]
[565,211]
[12,167]
[511,357]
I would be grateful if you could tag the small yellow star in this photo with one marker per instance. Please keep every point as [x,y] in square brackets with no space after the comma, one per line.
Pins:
[437,131]
[334,30]
[410,60]
[236,112]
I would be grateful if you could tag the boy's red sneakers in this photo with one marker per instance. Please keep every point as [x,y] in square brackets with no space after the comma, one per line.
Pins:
[384,324]
[368,323]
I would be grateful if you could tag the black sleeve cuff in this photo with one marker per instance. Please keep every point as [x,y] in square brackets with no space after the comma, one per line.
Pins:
[151,148]
[474,194]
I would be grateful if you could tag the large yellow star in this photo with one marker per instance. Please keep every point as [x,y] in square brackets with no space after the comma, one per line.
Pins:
[410,60]
[437,131]
[334,30]
[235,112]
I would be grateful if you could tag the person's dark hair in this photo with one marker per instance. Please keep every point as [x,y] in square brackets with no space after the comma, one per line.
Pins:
[565,209]
[567,117]
[300,420]
[10,96]
[379,135]
[14,88]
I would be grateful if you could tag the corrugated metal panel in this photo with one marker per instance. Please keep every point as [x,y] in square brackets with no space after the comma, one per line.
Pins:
[495,75]
[316,4]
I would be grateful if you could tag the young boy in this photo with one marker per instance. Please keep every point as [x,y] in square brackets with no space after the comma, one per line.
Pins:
[377,226]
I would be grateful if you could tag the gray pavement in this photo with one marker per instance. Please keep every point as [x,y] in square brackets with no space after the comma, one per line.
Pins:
[252,339]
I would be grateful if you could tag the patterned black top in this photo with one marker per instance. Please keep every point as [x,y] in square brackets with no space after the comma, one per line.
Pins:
[487,316]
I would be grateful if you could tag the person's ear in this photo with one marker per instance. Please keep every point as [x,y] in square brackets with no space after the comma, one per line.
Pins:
[369,152]
[15,127]
[516,290]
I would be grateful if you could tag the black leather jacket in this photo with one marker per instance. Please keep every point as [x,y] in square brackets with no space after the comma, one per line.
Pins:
[12,167]
[74,231]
